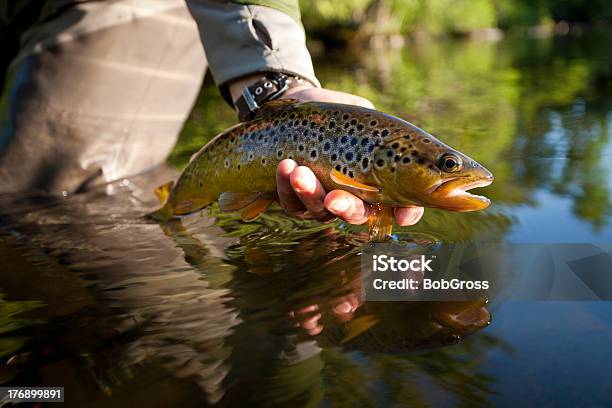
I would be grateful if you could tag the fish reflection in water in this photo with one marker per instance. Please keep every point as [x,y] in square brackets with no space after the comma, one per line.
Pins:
[259,313]
[321,282]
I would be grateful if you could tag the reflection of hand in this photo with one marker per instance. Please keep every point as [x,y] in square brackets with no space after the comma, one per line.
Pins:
[309,317]
[341,308]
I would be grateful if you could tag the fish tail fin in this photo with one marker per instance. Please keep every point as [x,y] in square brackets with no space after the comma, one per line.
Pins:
[166,212]
[173,207]
[163,192]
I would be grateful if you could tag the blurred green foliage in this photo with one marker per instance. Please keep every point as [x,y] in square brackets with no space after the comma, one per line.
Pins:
[435,16]
[522,13]
[11,324]
[447,16]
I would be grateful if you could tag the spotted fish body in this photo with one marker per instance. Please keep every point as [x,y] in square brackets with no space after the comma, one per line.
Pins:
[379,158]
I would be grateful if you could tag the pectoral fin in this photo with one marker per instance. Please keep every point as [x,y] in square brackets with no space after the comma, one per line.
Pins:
[357,326]
[251,204]
[255,209]
[163,192]
[259,261]
[344,180]
[231,201]
[189,206]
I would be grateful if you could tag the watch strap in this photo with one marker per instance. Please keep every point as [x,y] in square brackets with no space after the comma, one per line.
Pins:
[267,88]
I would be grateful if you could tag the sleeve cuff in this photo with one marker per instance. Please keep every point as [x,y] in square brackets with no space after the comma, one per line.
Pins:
[243,40]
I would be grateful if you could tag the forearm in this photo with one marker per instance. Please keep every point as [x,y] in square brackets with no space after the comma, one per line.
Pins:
[243,40]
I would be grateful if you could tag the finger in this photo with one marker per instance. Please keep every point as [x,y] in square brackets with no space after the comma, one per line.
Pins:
[327,95]
[288,200]
[312,322]
[359,101]
[408,215]
[310,192]
[343,307]
[350,99]
[346,206]
[307,309]
[345,304]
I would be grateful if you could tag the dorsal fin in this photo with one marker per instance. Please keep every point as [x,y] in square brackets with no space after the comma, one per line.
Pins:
[272,106]
[345,180]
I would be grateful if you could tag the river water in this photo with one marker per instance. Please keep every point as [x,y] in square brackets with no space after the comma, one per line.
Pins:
[120,310]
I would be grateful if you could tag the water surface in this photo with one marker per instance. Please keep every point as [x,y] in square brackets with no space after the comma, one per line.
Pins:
[120,310]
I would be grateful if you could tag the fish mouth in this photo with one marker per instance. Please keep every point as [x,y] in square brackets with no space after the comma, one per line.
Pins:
[452,193]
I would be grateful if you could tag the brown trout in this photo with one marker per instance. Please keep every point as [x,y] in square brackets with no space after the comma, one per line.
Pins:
[381,159]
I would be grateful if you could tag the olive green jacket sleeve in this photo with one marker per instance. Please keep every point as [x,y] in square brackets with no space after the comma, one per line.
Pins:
[243,39]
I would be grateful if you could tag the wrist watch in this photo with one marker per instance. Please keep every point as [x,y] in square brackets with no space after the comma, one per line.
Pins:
[267,88]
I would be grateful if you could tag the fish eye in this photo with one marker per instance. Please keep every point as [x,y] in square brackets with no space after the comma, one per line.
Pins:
[450,163]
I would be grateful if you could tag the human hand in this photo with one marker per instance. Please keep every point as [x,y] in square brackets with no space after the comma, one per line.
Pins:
[300,192]
[310,317]
[299,189]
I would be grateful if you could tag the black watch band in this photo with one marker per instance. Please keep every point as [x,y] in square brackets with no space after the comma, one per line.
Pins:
[269,87]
